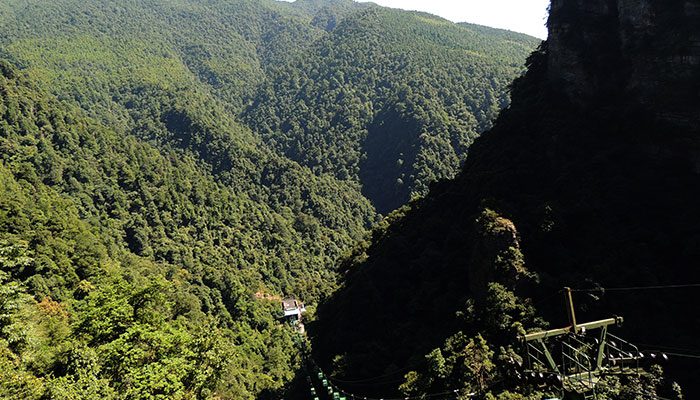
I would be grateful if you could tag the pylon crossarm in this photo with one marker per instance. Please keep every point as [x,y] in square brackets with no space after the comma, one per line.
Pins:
[545,334]
[568,329]
[600,324]
[585,359]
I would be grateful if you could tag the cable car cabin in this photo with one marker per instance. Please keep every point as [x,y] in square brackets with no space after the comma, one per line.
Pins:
[293,309]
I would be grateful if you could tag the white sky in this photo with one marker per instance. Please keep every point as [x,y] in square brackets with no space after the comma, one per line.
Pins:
[525,16]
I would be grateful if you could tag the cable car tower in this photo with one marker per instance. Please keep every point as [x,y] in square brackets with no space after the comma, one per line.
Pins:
[576,357]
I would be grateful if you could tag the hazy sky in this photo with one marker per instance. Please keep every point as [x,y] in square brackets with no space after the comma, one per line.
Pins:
[526,16]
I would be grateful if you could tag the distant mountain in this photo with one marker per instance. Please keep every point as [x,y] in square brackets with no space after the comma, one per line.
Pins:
[389,99]
[324,14]
[589,180]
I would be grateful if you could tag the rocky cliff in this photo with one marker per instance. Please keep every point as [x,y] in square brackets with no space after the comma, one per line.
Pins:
[633,54]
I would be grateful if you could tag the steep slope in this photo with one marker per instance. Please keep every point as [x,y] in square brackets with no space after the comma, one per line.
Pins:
[172,74]
[94,54]
[390,99]
[589,180]
[128,273]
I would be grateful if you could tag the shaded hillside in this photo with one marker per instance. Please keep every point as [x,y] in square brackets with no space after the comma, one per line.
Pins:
[390,99]
[594,165]
[324,14]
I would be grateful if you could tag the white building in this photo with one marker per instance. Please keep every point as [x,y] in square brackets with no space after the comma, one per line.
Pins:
[293,309]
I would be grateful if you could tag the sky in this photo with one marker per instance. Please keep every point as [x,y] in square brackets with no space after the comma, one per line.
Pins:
[525,16]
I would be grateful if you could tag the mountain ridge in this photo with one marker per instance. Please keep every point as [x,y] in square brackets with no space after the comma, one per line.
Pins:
[366,101]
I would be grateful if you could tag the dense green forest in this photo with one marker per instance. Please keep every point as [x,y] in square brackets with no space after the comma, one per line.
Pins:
[389,99]
[126,273]
[150,204]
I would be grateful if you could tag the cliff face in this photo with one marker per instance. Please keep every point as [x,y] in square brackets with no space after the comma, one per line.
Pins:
[634,54]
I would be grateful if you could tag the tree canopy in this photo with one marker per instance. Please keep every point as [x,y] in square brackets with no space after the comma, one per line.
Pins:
[168,168]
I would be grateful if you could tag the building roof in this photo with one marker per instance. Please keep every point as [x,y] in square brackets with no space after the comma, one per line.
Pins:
[292,307]
[290,304]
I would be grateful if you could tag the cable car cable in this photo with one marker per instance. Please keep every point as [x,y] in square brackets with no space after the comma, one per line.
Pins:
[660,346]
[690,285]
[540,301]
[681,355]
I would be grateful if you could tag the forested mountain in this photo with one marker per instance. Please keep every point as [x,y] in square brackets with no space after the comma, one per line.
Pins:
[101,50]
[152,96]
[147,214]
[588,180]
[389,99]
[324,14]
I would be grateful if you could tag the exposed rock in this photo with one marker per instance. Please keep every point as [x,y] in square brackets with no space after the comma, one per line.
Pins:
[496,255]
[644,54]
